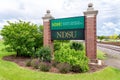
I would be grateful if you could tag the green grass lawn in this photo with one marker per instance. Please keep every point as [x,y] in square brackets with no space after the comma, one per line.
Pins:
[11,71]
[3,52]
[101,55]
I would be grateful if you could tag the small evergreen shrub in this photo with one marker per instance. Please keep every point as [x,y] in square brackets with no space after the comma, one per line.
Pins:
[28,62]
[76,46]
[44,66]
[35,63]
[44,54]
[63,67]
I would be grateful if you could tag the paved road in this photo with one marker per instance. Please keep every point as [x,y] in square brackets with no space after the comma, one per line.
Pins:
[113,54]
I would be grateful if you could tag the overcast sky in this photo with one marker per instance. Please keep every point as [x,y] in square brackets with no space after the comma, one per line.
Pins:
[108,18]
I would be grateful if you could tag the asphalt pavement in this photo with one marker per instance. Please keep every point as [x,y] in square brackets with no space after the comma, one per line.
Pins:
[112,53]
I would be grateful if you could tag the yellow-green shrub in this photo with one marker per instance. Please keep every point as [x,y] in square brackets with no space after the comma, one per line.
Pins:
[74,58]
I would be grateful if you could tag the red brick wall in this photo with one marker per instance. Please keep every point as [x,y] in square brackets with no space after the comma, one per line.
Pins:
[90,37]
[47,37]
[47,34]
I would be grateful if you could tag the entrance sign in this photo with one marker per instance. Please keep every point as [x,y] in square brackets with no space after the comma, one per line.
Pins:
[74,28]
[68,28]
[68,23]
[75,34]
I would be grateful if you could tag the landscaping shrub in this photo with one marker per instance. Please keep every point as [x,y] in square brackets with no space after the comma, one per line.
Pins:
[23,37]
[35,63]
[59,43]
[44,54]
[9,49]
[28,62]
[54,63]
[56,45]
[44,66]
[76,46]
[73,57]
[76,68]
[63,67]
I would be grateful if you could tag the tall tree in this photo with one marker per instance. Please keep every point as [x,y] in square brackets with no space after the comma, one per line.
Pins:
[119,36]
[114,36]
[24,37]
[101,38]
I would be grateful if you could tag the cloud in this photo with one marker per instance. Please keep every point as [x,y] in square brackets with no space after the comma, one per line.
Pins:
[1,25]
[34,10]
[109,28]
[110,25]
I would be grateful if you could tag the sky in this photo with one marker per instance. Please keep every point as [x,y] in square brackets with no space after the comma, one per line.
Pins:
[108,18]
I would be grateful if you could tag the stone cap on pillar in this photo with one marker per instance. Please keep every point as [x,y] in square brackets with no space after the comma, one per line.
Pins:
[47,16]
[90,11]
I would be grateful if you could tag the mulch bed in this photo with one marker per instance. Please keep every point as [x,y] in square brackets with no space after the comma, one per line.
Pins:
[21,61]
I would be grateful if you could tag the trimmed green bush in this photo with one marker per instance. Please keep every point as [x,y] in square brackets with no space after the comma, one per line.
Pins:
[44,66]
[63,67]
[44,54]
[76,46]
[72,57]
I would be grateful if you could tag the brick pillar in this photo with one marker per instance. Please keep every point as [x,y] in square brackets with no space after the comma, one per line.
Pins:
[46,31]
[90,32]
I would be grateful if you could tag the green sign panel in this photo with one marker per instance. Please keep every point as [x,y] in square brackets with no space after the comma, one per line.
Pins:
[75,34]
[67,23]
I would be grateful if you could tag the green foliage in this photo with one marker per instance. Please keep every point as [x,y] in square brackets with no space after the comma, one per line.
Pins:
[9,49]
[76,46]
[56,45]
[54,63]
[28,62]
[76,69]
[101,37]
[11,71]
[114,36]
[74,58]
[44,66]
[119,36]
[41,28]
[35,63]
[59,43]
[64,67]
[101,55]
[3,51]
[23,37]
[44,54]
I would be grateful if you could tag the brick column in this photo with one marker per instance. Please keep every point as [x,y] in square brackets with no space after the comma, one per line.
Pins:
[90,32]
[46,31]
